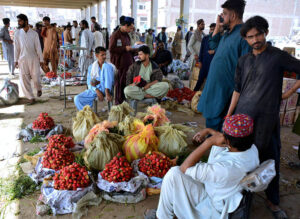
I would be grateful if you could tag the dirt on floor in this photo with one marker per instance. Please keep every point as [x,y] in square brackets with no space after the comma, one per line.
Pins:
[12,118]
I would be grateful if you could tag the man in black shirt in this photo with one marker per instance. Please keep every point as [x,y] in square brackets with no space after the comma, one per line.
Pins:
[258,92]
[162,57]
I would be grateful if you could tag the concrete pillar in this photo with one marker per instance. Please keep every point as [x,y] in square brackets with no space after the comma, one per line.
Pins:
[108,16]
[82,13]
[184,12]
[88,15]
[93,11]
[154,14]
[100,16]
[119,9]
[134,10]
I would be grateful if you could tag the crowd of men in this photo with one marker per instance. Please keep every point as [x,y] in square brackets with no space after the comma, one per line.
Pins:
[241,96]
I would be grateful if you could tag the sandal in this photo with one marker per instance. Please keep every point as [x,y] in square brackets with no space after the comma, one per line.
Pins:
[278,214]
[150,214]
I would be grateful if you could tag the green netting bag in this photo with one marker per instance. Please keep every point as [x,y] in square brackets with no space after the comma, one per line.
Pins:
[172,138]
[83,122]
[119,112]
[102,150]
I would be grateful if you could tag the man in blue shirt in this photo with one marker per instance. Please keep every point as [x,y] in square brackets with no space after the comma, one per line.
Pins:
[220,81]
[100,80]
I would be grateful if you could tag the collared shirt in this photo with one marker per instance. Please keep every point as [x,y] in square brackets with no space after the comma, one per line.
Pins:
[146,71]
[4,35]
[219,85]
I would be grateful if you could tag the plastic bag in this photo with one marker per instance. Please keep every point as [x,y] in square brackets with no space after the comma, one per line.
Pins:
[195,101]
[100,127]
[119,112]
[83,122]
[172,138]
[9,93]
[137,145]
[259,179]
[127,197]
[157,115]
[130,125]
[102,149]
[131,186]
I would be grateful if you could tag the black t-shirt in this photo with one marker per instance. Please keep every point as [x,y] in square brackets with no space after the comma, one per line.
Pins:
[163,56]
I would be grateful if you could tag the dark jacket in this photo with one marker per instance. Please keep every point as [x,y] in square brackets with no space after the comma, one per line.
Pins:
[134,71]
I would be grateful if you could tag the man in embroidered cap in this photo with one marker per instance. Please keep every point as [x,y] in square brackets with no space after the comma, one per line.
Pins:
[210,190]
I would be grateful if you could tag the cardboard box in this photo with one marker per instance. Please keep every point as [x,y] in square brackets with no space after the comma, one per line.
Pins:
[288,118]
[292,102]
[287,84]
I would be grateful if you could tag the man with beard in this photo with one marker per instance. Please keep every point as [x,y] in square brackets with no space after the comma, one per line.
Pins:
[7,44]
[86,41]
[51,46]
[28,57]
[162,57]
[219,85]
[162,36]
[150,85]
[258,93]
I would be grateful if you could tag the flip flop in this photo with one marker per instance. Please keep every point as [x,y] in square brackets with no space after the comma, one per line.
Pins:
[150,214]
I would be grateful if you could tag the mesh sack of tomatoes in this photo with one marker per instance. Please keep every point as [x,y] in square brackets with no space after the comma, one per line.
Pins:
[181,94]
[102,149]
[118,176]
[156,115]
[137,145]
[105,126]
[43,124]
[68,75]
[60,141]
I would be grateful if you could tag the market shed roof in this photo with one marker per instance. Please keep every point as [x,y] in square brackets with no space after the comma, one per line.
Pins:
[72,4]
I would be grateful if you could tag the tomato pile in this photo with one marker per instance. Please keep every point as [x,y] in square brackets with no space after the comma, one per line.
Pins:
[155,164]
[71,177]
[51,74]
[68,75]
[181,94]
[43,122]
[117,170]
[60,141]
[56,159]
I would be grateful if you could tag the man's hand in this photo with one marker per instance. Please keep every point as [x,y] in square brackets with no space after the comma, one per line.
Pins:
[218,22]
[287,94]
[196,57]
[94,83]
[108,97]
[133,84]
[147,86]
[10,41]
[99,95]
[211,52]
[218,139]
[16,65]
[200,136]
[41,64]
[128,48]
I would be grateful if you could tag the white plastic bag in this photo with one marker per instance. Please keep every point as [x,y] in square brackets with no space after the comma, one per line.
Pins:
[9,93]
[259,179]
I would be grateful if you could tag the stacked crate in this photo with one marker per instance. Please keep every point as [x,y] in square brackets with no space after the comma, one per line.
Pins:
[288,107]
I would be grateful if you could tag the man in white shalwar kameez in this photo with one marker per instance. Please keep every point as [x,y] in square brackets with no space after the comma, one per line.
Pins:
[7,45]
[86,56]
[210,190]
[100,80]
[28,57]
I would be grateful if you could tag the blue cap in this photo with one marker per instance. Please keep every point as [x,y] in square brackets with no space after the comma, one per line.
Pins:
[129,20]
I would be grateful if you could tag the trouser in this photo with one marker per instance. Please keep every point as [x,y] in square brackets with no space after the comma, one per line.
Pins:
[120,84]
[54,64]
[9,56]
[87,97]
[30,69]
[180,195]
[215,123]
[158,90]
[202,76]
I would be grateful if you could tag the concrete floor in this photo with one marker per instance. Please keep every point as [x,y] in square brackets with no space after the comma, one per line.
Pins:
[12,117]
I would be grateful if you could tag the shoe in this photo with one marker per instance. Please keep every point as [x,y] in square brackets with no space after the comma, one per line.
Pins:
[39,93]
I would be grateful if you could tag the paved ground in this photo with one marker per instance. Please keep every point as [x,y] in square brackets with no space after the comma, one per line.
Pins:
[13,117]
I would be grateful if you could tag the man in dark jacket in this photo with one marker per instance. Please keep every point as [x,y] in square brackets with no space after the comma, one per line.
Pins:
[144,78]
[162,57]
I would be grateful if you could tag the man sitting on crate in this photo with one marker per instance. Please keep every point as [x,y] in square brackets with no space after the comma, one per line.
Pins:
[144,78]
[210,190]
[100,80]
